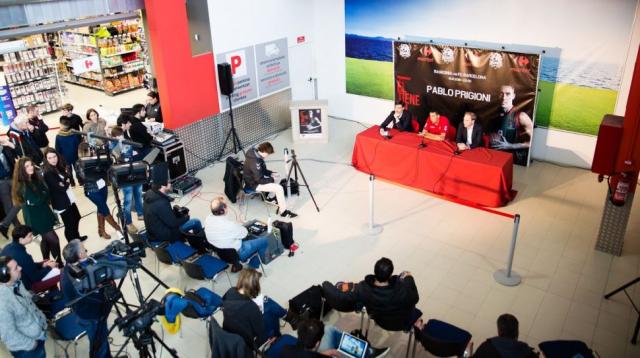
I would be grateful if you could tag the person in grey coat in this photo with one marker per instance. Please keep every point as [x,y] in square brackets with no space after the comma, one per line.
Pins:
[23,326]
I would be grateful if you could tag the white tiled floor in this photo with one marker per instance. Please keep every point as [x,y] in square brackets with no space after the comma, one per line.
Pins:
[451,250]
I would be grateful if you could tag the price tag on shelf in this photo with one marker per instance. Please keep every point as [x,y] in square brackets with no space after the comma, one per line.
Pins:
[86,64]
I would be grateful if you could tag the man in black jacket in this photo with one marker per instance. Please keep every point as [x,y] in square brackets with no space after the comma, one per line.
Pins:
[400,118]
[7,162]
[506,344]
[20,134]
[469,133]
[257,177]
[161,221]
[135,131]
[389,298]
[75,121]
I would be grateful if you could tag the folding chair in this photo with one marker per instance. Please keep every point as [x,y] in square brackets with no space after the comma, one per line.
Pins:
[205,268]
[65,330]
[443,339]
[391,323]
[561,349]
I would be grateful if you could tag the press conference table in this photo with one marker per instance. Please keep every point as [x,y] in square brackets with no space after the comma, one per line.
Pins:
[481,176]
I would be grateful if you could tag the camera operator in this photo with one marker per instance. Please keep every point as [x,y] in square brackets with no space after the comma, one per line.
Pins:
[124,153]
[92,309]
[163,222]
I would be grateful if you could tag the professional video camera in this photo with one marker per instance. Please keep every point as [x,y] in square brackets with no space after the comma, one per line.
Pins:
[141,319]
[109,264]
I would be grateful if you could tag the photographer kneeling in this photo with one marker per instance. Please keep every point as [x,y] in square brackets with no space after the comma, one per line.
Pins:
[92,309]
[163,222]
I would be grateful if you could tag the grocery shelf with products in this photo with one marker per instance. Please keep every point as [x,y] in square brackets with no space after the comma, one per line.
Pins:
[28,76]
[119,47]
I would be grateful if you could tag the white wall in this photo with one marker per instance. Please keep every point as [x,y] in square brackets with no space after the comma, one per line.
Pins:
[548,144]
[241,23]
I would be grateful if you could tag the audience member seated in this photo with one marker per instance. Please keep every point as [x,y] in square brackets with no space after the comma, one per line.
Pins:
[257,177]
[317,340]
[388,297]
[161,221]
[23,327]
[225,233]
[35,276]
[248,313]
[506,344]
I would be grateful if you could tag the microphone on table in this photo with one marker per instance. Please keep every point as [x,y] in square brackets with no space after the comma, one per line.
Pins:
[422,143]
[385,133]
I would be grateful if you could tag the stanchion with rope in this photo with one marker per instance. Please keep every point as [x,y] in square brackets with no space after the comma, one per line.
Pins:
[371,228]
[508,277]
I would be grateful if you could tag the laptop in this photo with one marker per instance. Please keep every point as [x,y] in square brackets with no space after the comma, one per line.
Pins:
[352,347]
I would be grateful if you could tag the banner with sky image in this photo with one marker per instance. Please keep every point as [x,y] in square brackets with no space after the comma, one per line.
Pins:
[498,86]
[580,72]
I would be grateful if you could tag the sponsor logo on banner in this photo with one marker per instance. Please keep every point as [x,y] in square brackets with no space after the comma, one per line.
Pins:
[238,62]
[86,64]
[495,60]
[404,51]
[522,64]
[447,55]
[426,54]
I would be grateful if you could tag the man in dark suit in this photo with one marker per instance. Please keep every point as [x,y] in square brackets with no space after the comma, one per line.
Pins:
[400,118]
[469,134]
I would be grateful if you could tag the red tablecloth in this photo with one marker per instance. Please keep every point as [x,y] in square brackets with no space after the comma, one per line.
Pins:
[481,175]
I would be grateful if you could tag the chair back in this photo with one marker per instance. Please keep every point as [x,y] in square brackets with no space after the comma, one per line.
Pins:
[192,269]
[227,255]
[443,339]
[67,327]
[392,320]
[558,349]
[202,303]
[163,255]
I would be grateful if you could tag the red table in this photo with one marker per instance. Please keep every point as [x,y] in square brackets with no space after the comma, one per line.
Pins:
[482,176]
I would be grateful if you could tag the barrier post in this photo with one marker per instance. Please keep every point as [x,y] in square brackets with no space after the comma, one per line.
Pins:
[508,277]
[371,228]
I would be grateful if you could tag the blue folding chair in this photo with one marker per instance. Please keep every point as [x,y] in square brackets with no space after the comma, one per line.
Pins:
[248,193]
[173,254]
[566,349]
[442,339]
[205,268]
[66,330]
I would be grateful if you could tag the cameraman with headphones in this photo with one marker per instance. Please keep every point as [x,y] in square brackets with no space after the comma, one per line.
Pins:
[23,327]
[92,309]
[224,233]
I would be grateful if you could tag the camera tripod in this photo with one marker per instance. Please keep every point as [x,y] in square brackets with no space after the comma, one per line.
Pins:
[295,167]
[623,288]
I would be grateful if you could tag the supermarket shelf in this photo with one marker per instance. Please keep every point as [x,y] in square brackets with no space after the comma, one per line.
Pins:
[40,90]
[24,61]
[123,90]
[123,72]
[123,63]
[29,69]
[80,52]
[123,52]
[30,80]
[64,43]
[86,77]
[83,84]
[27,104]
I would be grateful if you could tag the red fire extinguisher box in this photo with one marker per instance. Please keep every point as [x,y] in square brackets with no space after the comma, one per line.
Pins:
[608,144]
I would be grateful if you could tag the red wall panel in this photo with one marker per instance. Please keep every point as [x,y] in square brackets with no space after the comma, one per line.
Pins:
[187,84]
[629,154]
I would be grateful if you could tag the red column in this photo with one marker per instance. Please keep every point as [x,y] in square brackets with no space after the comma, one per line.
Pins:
[187,84]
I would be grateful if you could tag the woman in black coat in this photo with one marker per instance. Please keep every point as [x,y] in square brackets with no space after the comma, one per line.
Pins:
[62,198]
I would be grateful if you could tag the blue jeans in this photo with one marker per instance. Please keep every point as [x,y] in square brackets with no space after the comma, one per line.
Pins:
[37,352]
[271,317]
[193,225]
[98,333]
[99,198]
[132,193]
[249,247]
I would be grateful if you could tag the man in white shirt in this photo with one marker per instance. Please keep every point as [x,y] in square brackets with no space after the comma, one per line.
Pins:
[224,233]
[469,133]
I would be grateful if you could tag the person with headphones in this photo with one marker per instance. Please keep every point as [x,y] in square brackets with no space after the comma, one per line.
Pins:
[92,309]
[225,233]
[23,327]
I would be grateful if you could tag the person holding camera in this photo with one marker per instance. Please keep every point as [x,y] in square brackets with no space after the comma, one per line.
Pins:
[163,222]
[23,327]
[257,177]
[93,308]
[132,193]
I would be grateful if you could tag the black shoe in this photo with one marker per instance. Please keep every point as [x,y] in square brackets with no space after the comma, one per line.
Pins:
[236,267]
[83,237]
[380,352]
[5,231]
[273,200]
[288,214]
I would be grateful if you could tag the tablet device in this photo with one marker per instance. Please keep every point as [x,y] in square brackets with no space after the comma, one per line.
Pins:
[353,347]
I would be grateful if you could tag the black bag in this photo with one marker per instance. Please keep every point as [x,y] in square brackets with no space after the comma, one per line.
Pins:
[308,303]
[295,188]
[232,178]
[286,233]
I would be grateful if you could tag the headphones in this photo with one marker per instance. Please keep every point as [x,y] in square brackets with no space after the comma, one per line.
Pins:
[5,274]
[220,209]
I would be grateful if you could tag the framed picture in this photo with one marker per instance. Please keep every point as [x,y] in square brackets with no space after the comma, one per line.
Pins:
[309,122]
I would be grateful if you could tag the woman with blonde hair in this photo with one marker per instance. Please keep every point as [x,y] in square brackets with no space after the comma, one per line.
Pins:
[250,314]
[30,192]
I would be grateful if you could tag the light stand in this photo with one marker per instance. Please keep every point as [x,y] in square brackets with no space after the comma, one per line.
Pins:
[232,133]
[295,167]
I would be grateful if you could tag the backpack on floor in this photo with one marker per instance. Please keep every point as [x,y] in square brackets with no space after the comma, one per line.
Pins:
[284,232]
[306,304]
[295,188]
[274,249]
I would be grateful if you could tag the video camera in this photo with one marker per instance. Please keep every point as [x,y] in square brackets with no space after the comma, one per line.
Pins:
[140,319]
[109,264]
[180,211]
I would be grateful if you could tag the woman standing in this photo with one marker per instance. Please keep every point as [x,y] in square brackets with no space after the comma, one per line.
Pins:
[95,188]
[30,192]
[63,201]
[95,125]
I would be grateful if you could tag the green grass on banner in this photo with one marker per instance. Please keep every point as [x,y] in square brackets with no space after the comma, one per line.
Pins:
[370,78]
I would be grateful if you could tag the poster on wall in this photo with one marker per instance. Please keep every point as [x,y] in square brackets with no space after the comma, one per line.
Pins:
[272,59]
[498,86]
[580,74]
[243,70]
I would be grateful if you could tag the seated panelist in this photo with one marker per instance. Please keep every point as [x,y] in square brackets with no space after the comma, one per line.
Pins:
[469,134]
[436,127]
[400,118]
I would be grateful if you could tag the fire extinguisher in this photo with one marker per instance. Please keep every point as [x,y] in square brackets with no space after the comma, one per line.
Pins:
[619,195]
